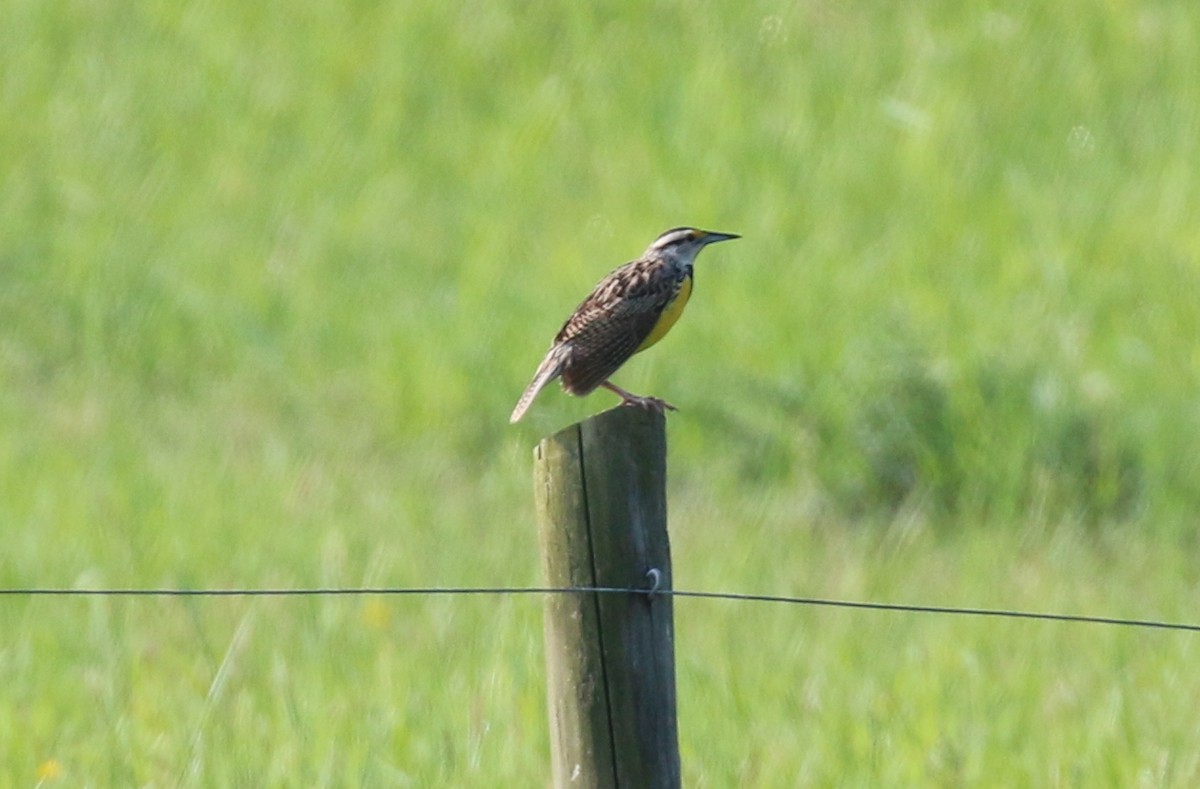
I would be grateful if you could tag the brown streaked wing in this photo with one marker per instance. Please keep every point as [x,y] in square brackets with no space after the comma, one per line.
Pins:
[612,322]
[600,349]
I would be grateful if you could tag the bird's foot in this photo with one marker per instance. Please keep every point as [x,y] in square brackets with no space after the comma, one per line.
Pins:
[654,404]
[650,403]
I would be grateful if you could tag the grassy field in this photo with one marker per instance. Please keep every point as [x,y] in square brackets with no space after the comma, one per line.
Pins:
[273,274]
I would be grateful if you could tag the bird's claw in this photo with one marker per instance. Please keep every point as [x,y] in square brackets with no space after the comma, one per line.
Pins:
[654,404]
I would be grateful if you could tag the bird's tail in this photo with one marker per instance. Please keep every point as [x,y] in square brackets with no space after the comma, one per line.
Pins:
[550,368]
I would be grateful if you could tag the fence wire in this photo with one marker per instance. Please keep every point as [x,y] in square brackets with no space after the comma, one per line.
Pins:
[392,591]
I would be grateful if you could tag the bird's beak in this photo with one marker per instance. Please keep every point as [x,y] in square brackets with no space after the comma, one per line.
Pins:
[712,237]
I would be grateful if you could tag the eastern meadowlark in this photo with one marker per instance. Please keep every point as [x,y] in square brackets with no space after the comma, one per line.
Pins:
[628,311]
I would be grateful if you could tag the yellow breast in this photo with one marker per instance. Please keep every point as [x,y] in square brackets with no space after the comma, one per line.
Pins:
[669,315]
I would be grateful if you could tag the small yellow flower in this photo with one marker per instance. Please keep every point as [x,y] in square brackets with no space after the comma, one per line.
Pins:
[376,614]
[49,770]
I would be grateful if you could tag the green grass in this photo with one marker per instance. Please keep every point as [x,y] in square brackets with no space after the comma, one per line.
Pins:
[272,276]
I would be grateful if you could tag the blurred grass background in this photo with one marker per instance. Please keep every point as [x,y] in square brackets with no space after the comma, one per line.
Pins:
[272,275]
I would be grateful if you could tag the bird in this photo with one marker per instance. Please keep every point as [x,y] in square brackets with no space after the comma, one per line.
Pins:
[628,311]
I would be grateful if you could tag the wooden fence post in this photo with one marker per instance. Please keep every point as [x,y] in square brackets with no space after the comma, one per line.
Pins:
[610,658]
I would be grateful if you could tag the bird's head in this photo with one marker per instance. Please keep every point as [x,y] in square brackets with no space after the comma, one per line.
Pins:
[684,243]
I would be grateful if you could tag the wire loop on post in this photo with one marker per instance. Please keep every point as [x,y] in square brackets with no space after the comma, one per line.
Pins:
[655,576]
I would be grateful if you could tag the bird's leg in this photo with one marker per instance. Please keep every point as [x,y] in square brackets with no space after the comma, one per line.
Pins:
[628,398]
